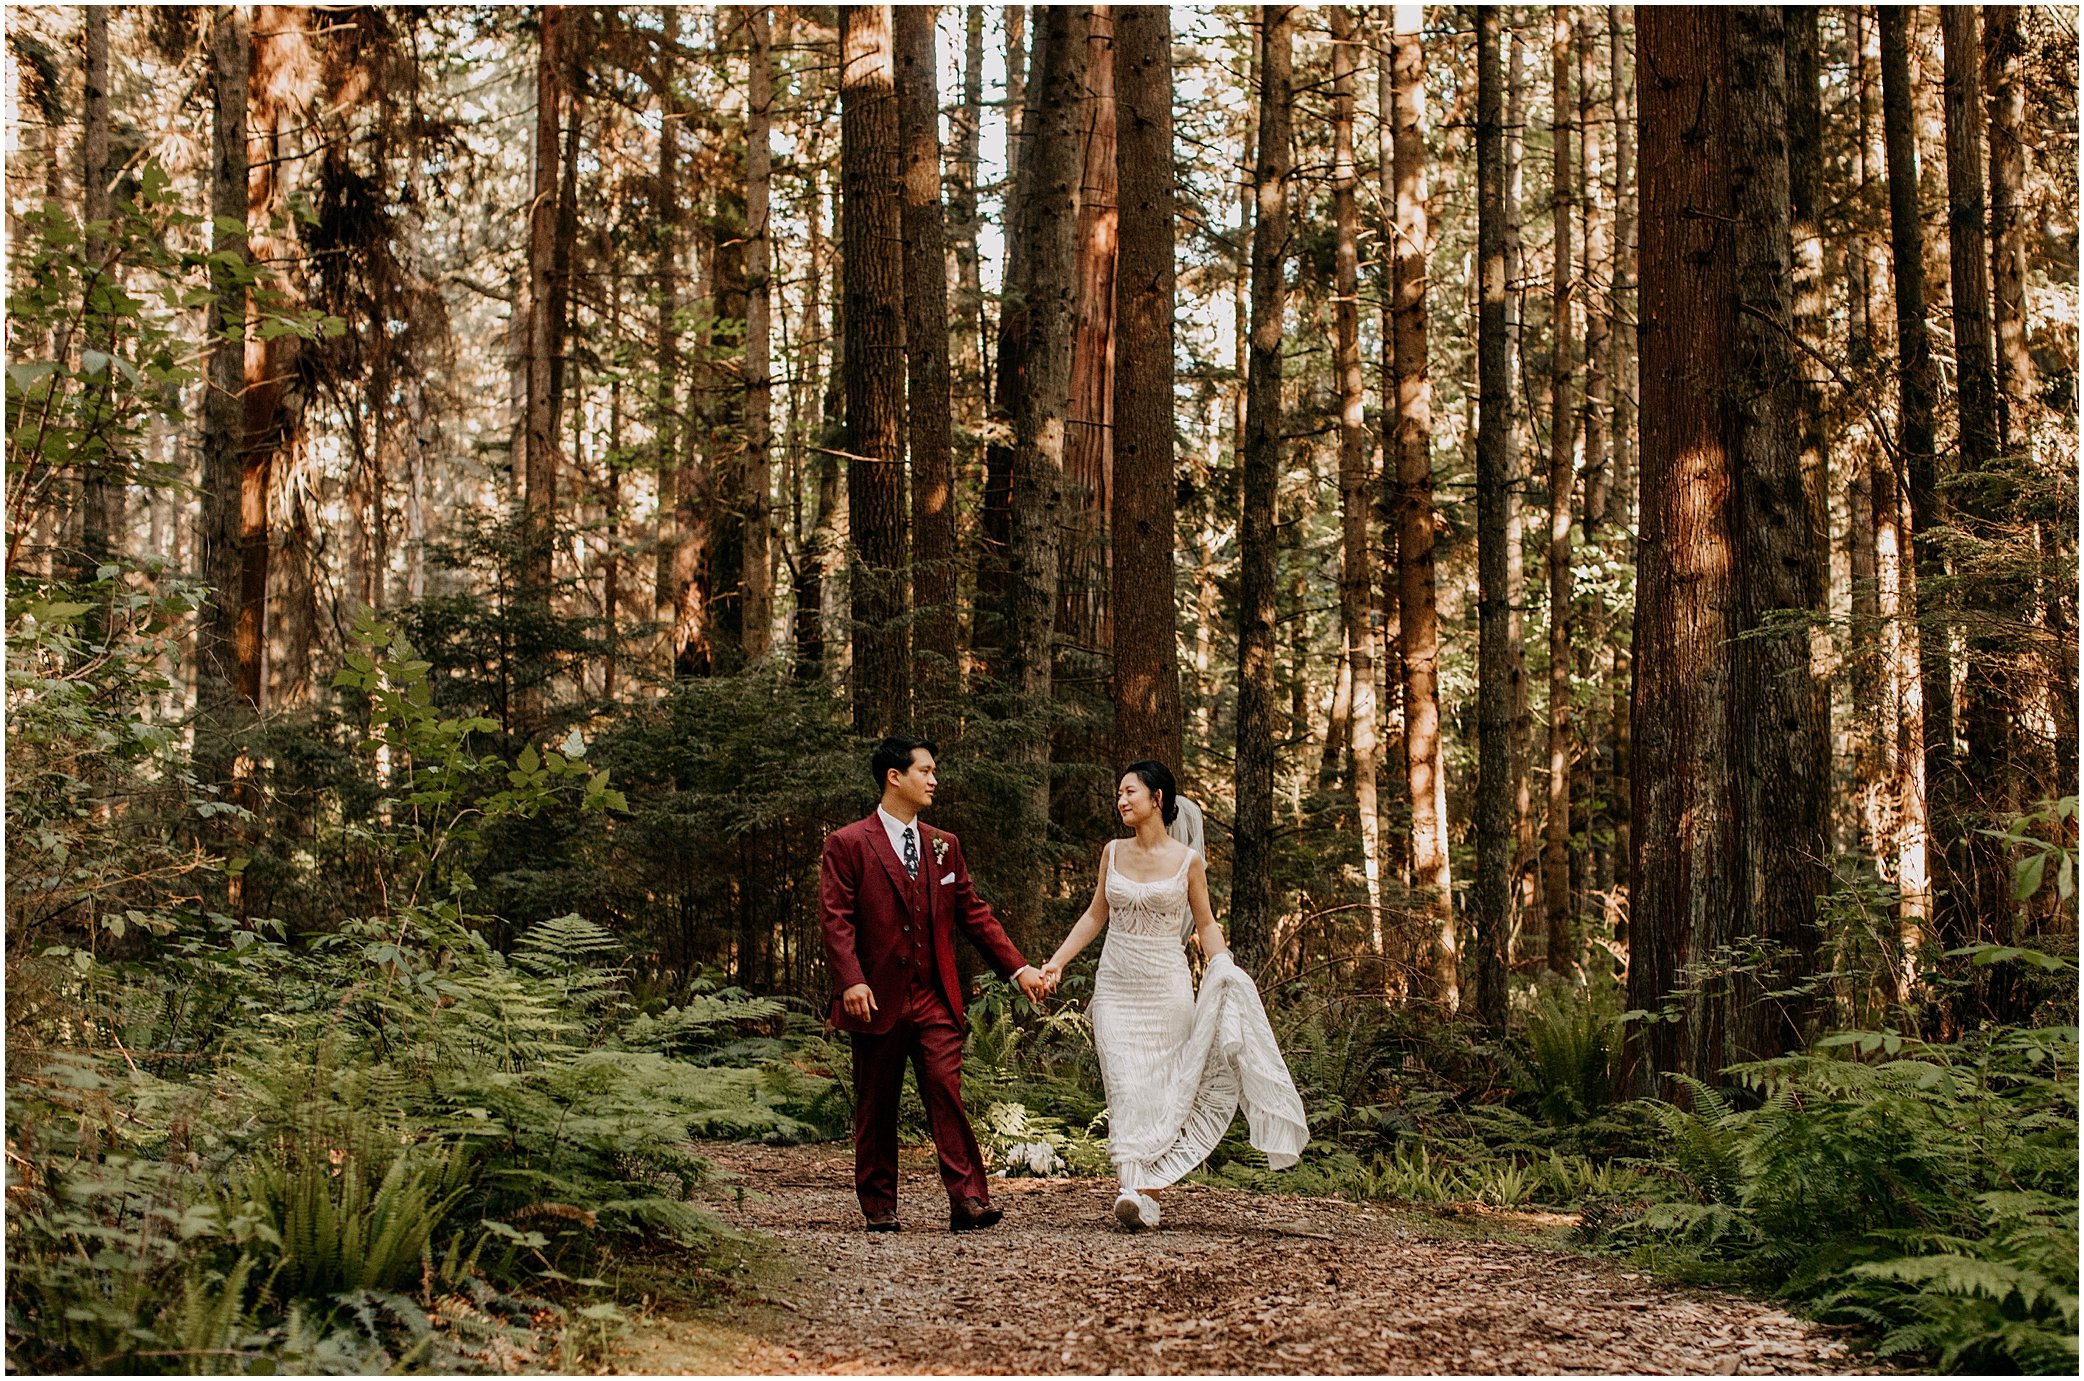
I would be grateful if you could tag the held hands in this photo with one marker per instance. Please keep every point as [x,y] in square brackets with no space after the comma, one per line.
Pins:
[1052,975]
[1033,984]
[859,1002]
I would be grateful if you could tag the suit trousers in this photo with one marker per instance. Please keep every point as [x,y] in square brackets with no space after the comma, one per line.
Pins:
[928,1036]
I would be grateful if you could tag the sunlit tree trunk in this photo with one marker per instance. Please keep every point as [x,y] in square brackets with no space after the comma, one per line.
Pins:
[665,425]
[1491,893]
[539,483]
[1555,870]
[1088,452]
[1918,388]
[2010,221]
[1424,754]
[967,318]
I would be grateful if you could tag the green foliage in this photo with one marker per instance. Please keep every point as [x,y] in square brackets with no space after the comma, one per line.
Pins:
[381,1145]
[1926,1189]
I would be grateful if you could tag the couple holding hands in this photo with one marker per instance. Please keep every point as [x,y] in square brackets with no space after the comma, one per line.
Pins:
[1177,1064]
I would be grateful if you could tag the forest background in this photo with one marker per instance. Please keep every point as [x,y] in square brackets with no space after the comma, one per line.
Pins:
[1587,502]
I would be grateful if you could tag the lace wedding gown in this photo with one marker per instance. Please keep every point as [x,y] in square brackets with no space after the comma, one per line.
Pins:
[1177,1064]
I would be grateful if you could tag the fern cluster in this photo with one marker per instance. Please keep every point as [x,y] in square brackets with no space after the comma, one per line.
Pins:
[387,1145]
[1926,1190]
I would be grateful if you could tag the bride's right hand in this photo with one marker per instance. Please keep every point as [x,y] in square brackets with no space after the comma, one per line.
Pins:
[1052,974]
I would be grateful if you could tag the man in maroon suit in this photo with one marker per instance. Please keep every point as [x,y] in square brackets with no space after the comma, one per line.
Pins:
[892,892]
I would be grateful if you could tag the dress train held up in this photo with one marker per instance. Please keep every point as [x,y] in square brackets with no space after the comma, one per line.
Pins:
[1179,1065]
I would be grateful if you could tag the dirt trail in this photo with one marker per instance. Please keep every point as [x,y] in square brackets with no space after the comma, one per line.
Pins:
[1233,1282]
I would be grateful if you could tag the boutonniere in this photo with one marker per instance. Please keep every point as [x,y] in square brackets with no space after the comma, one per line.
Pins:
[940,848]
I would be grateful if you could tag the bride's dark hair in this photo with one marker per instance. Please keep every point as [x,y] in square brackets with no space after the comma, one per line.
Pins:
[1158,778]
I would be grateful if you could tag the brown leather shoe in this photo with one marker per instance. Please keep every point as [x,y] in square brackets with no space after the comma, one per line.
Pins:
[884,1222]
[968,1215]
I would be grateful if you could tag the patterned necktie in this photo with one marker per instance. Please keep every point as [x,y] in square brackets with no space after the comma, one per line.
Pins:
[911,853]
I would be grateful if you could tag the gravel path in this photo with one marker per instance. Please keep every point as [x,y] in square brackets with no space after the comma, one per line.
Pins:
[1233,1282]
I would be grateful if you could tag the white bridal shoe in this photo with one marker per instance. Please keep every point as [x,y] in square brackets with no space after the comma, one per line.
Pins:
[1135,1211]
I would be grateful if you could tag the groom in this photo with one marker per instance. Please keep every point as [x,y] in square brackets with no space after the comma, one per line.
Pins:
[892,891]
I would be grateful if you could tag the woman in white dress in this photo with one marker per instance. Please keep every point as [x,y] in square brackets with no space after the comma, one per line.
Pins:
[1177,1065]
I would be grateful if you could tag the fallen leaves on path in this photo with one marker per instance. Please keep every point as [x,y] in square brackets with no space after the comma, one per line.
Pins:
[1233,1282]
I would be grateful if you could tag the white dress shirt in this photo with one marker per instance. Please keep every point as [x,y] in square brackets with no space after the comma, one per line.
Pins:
[897,830]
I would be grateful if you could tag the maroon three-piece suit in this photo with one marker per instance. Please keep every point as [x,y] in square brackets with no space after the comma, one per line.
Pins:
[897,934]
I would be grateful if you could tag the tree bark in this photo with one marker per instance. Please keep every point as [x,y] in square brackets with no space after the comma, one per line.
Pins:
[218,680]
[1491,894]
[872,273]
[1424,755]
[1986,695]
[1356,480]
[539,477]
[1729,795]
[1780,715]
[101,505]
[1598,327]
[815,552]
[968,316]
[992,626]
[1681,884]
[1088,438]
[1918,390]
[1526,847]
[2004,51]
[1555,886]
[665,414]
[936,667]
[757,617]
[1147,713]
[1252,888]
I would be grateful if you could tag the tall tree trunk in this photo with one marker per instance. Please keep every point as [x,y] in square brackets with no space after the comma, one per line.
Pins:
[102,500]
[1681,883]
[1985,695]
[1729,798]
[814,553]
[1870,728]
[1424,755]
[1526,847]
[1596,249]
[1397,800]
[1562,937]
[539,482]
[2004,51]
[1620,308]
[222,438]
[1918,390]
[1356,482]
[1252,885]
[1781,765]
[936,668]
[1147,715]
[872,272]
[757,616]
[992,626]
[665,409]
[968,316]
[1491,894]
[1088,449]
[1049,291]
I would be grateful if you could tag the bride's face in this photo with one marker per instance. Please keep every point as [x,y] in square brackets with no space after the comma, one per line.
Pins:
[1133,801]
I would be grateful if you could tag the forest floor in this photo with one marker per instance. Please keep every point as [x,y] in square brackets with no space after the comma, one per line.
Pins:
[1231,1282]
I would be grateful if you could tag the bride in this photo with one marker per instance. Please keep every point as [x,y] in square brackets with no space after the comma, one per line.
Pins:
[1177,1065]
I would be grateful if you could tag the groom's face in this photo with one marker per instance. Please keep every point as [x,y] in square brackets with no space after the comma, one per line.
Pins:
[915,785]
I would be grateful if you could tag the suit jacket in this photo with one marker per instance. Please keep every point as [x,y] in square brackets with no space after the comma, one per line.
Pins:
[881,926]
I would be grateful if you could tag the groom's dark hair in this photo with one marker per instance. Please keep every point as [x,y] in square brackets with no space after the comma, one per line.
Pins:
[895,755]
[1158,778]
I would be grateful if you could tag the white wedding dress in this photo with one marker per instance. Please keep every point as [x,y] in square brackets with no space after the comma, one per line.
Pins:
[1178,1065]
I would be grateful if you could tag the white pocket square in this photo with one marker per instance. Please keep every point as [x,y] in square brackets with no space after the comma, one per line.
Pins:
[948,879]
